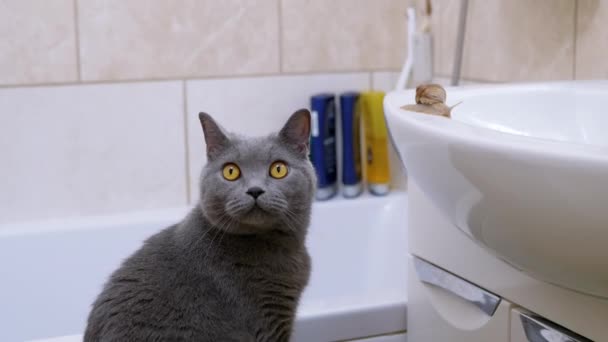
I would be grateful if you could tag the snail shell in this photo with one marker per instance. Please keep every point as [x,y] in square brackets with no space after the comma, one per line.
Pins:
[430,99]
[430,94]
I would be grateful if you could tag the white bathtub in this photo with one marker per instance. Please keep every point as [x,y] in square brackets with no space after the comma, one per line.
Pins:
[50,272]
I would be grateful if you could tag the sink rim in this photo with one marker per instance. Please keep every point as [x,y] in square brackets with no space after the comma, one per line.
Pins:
[492,138]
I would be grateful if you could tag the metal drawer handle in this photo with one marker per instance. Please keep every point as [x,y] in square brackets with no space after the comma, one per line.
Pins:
[538,329]
[433,275]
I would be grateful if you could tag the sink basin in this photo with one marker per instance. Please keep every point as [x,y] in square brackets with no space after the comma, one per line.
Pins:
[520,169]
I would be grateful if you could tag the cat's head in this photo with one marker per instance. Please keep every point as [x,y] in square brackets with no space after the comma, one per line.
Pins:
[253,185]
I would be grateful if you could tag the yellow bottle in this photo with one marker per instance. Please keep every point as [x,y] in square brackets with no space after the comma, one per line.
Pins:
[376,143]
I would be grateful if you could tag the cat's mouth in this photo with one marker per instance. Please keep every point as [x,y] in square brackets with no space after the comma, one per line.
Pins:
[257,209]
[256,215]
[252,215]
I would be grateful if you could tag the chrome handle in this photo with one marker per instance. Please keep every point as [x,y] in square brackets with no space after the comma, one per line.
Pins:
[433,275]
[538,329]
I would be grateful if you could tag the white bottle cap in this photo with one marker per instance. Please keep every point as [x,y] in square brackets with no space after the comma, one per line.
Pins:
[352,190]
[379,189]
[326,192]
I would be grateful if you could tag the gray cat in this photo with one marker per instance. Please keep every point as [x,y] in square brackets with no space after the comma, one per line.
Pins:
[235,267]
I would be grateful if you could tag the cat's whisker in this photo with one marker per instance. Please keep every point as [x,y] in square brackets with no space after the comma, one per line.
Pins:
[296,219]
[291,213]
[290,226]
[202,237]
[236,207]
[210,247]
[291,219]
[222,217]
[220,228]
[278,205]
[224,232]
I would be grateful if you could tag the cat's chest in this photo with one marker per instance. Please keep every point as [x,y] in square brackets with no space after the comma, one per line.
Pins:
[272,304]
[265,293]
[276,283]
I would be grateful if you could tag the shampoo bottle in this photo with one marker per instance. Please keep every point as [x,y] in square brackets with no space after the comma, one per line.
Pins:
[376,143]
[323,144]
[351,144]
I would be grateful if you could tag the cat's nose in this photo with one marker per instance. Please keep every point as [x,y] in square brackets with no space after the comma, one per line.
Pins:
[255,192]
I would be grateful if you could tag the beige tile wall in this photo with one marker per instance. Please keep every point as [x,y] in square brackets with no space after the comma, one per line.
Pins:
[140,39]
[72,41]
[515,40]
[117,40]
[591,39]
[37,42]
[321,35]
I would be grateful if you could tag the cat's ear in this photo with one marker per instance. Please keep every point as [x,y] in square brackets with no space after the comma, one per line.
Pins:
[215,138]
[296,132]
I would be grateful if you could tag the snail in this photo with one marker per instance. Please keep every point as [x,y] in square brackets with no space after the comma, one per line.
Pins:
[430,99]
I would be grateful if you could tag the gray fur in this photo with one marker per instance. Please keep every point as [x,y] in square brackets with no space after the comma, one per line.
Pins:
[235,267]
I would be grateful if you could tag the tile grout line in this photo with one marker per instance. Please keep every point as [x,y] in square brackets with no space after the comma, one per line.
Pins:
[195,78]
[437,34]
[576,4]
[77,40]
[280,42]
[186,142]
[468,79]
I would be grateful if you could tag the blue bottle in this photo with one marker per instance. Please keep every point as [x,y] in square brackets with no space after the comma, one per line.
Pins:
[323,144]
[351,144]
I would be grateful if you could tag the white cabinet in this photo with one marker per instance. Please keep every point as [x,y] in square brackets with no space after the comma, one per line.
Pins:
[385,338]
[444,307]
[528,327]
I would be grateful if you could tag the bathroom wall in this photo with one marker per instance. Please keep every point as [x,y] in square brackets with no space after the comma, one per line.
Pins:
[76,41]
[522,40]
[99,98]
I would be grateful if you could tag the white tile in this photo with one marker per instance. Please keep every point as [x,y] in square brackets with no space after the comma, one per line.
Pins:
[89,150]
[255,106]
[385,80]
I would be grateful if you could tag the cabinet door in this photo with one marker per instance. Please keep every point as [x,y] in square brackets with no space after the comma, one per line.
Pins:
[528,327]
[444,307]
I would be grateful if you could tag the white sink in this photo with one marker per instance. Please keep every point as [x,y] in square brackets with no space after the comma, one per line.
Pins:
[520,169]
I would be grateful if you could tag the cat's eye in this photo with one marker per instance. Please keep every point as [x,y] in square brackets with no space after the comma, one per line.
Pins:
[231,172]
[278,170]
